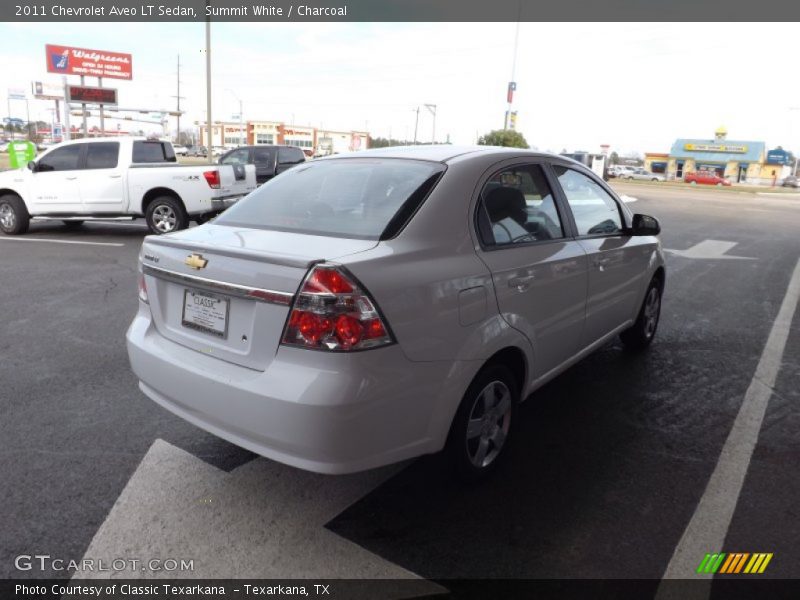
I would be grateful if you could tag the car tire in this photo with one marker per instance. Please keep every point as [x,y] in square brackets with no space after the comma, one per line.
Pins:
[692,183]
[639,336]
[166,214]
[654,179]
[205,217]
[14,217]
[480,432]
[72,224]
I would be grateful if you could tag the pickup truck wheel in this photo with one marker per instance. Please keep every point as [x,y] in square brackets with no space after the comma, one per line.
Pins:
[14,217]
[482,425]
[166,214]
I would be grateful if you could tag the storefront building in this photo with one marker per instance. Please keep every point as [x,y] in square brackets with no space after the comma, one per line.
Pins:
[313,141]
[739,161]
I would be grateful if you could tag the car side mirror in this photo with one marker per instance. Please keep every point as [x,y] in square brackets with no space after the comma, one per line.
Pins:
[645,225]
[32,165]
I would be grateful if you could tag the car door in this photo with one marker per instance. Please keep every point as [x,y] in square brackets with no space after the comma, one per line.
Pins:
[100,182]
[539,271]
[53,187]
[617,260]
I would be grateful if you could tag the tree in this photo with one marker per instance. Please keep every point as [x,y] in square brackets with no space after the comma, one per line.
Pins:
[503,137]
[614,158]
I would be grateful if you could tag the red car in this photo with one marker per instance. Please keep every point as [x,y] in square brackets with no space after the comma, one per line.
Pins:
[705,177]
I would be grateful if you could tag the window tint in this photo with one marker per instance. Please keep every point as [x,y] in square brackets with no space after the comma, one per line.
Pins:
[517,206]
[102,155]
[152,152]
[264,156]
[237,157]
[595,211]
[355,198]
[61,159]
[289,155]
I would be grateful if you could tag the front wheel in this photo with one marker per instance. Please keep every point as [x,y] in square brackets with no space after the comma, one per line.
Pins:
[482,425]
[641,334]
[14,217]
[165,215]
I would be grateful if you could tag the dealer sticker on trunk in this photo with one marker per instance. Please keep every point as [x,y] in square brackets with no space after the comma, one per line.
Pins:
[205,312]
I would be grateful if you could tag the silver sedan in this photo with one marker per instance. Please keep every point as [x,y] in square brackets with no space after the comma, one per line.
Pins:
[643,175]
[368,308]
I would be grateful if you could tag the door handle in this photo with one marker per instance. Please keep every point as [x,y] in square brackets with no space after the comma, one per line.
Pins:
[71,178]
[115,176]
[521,283]
[601,263]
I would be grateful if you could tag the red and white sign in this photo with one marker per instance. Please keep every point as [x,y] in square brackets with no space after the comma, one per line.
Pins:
[67,60]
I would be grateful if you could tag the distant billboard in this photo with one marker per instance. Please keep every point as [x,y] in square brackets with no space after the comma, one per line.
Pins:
[42,90]
[67,60]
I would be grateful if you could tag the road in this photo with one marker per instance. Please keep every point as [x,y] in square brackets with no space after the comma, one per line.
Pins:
[608,468]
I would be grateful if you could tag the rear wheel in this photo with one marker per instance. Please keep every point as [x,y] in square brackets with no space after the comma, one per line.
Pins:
[14,217]
[482,425]
[641,334]
[166,214]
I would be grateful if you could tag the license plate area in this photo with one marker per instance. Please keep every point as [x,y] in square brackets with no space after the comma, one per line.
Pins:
[205,312]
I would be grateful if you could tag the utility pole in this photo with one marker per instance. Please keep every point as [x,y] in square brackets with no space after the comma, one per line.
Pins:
[179,98]
[416,124]
[209,145]
[432,109]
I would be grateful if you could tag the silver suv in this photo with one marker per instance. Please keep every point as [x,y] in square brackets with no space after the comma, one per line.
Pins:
[364,309]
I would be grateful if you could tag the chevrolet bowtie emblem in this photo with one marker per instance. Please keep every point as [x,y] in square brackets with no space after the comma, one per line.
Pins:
[195,261]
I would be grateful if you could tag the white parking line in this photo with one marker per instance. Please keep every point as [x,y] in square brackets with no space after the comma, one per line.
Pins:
[30,239]
[709,525]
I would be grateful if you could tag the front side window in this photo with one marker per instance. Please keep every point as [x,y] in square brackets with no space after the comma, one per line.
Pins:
[351,198]
[61,159]
[595,211]
[517,206]
[102,155]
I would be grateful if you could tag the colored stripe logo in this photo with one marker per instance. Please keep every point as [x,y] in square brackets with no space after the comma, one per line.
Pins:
[734,563]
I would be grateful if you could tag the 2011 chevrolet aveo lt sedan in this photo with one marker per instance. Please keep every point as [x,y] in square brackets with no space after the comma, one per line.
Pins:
[364,309]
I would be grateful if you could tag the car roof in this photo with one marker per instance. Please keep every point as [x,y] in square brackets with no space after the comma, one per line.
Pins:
[440,152]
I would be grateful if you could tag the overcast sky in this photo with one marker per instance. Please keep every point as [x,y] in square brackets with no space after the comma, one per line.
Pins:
[635,86]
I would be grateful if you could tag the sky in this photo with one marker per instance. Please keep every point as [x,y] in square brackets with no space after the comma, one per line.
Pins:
[634,86]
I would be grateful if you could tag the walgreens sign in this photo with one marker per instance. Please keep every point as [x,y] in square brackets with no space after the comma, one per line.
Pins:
[67,60]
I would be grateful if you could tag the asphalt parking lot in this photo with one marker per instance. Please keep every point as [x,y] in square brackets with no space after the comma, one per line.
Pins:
[610,464]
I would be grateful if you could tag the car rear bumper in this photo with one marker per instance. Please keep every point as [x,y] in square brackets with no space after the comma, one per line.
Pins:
[324,412]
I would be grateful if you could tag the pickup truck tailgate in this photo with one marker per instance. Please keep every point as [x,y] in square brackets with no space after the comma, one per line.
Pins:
[236,180]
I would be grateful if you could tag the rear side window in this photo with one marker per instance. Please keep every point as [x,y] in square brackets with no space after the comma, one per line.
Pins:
[102,155]
[517,206]
[264,156]
[239,156]
[290,155]
[594,210]
[351,198]
[152,152]
[61,159]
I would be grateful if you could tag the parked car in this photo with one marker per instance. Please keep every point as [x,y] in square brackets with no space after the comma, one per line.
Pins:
[364,309]
[269,160]
[4,146]
[179,149]
[623,170]
[791,181]
[199,151]
[118,177]
[643,175]
[218,150]
[705,178]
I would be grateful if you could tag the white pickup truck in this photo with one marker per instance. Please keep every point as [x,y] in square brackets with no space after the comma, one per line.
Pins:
[99,178]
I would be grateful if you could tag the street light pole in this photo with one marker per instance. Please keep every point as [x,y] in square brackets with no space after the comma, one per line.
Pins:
[416,124]
[210,145]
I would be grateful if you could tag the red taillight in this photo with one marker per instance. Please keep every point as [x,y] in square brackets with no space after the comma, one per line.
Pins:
[331,312]
[143,289]
[212,178]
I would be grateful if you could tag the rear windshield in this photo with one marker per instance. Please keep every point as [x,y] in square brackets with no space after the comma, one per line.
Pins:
[352,198]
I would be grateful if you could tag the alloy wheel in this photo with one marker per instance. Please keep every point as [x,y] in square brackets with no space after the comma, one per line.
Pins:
[488,424]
